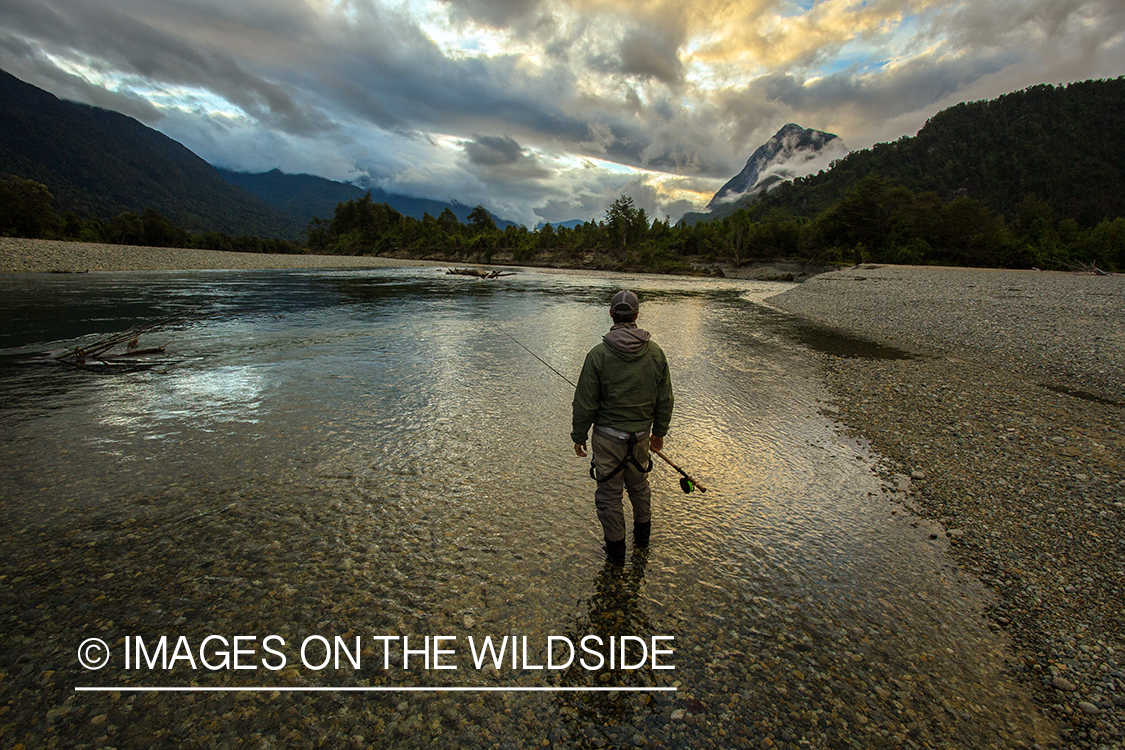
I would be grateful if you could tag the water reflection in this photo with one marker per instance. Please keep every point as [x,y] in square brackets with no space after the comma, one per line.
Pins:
[616,608]
[205,398]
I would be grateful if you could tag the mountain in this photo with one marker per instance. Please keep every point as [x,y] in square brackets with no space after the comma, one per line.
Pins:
[299,196]
[101,163]
[792,152]
[302,197]
[571,224]
[1058,144]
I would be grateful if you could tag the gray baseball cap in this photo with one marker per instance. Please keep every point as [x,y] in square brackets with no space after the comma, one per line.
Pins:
[625,302]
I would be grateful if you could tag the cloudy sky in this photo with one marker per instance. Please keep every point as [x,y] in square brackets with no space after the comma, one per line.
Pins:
[543,109]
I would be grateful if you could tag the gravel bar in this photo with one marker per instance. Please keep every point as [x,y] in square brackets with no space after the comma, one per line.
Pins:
[1008,416]
[49,256]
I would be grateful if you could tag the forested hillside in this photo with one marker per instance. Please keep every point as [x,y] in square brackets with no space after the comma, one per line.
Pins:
[1060,145]
[98,163]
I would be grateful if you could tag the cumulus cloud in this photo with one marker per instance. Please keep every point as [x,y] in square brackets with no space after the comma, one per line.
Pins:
[649,57]
[539,107]
[496,13]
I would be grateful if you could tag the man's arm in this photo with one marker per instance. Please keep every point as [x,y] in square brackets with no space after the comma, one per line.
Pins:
[662,414]
[584,408]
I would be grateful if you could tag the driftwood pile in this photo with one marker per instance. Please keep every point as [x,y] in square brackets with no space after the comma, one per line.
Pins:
[1087,268]
[121,351]
[479,273]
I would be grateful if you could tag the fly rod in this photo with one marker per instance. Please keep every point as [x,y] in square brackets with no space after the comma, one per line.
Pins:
[687,482]
[552,369]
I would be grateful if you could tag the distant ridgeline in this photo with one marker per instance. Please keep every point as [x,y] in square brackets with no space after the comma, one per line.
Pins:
[98,163]
[1061,145]
[304,197]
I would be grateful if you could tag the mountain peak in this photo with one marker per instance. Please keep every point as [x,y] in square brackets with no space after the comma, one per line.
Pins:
[792,152]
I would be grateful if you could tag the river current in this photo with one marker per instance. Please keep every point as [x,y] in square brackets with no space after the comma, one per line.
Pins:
[369,454]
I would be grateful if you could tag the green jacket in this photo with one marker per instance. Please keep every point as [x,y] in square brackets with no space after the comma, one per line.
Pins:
[624,384]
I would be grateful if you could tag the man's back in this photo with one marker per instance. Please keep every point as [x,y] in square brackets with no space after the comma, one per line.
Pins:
[624,385]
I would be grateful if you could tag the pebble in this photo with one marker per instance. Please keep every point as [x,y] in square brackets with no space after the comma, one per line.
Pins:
[1061,683]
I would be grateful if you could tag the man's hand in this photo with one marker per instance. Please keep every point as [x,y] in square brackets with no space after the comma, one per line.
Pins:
[580,449]
[656,443]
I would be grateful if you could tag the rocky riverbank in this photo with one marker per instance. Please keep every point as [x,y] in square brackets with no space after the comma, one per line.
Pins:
[19,255]
[49,256]
[1009,419]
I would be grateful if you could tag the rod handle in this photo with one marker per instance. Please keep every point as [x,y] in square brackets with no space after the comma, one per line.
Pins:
[677,468]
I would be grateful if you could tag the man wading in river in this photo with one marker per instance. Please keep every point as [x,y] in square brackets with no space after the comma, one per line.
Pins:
[625,392]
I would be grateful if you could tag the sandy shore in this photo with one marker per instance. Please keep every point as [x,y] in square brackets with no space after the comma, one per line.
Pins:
[47,256]
[1011,422]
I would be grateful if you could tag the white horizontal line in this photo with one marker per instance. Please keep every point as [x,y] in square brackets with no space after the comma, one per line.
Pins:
[454,689]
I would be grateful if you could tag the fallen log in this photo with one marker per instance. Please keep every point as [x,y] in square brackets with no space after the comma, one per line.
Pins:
[479,273]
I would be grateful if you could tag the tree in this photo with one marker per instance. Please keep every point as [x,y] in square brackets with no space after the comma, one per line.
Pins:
[319,234]
[448,220]
[160,232]
[861,222]
[480,220]
[620,217]
[127,229]
[1108,244]
[971,234]
[25,208]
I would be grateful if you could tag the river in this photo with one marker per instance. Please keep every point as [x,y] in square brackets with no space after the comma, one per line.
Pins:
[326,455]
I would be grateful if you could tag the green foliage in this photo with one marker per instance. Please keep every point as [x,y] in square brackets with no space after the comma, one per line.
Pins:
[627,224]
[1058,143]
[877,221]
[25,211]
[361,227]
[127,229]
[245,244]
[1104,246]
[160,232]
[101,164]
[481,221]
[25,208]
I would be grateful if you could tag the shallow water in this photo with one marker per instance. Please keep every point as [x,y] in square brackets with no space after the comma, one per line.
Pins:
[367,453]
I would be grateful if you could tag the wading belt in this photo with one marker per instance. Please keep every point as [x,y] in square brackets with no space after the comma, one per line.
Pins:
[629,459]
